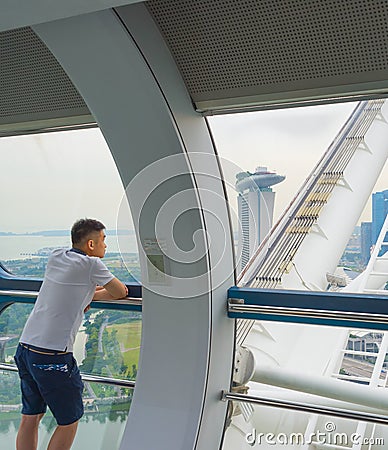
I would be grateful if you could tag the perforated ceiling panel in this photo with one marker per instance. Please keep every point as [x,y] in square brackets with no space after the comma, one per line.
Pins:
[227,49]
[35,92]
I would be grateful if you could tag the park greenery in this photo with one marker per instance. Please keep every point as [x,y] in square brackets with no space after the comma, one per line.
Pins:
[113,329]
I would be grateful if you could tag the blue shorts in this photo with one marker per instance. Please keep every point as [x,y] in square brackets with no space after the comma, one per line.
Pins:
[50,379]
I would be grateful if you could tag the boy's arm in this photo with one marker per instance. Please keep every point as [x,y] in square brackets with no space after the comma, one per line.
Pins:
[113,290]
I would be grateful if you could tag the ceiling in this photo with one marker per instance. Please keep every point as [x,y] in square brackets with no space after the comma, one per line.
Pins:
[249,53]
[21,13]
[232,55]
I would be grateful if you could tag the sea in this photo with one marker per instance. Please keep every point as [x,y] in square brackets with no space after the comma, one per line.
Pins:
[24,246]
[95,431]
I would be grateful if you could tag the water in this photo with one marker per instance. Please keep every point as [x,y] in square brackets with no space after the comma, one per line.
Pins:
[21,247]
[92,432]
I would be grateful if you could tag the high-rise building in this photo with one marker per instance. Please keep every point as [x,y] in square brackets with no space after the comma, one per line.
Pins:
[366,241]
[379,212]
[255,208]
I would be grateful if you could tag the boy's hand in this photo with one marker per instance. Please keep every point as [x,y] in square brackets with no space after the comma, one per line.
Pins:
[113,290]
[87,308]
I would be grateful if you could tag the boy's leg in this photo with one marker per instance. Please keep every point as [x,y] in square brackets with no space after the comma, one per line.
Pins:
[27,437]
[34,406]
[62,388]
[63,437]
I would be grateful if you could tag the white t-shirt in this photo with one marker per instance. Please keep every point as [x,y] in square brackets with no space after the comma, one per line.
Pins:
[68,287]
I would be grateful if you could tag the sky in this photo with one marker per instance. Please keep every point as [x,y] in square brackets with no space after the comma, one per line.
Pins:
[50,180]
[53,179]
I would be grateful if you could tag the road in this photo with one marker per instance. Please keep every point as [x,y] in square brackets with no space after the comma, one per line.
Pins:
[102,328]
[357,368]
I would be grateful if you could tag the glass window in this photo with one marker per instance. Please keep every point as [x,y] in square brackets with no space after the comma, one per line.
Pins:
[101,427]
[108,344]
[308,365]
[271,160]
[271,428]
[308,192]
[48,182]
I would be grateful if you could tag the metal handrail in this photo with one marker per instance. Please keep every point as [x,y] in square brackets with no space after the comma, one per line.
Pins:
[130,301]
[308,313]
[24,294]
[85,377]
[340,309]
[304,407]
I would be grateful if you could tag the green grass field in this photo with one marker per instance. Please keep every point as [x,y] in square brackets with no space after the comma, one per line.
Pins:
[129,336]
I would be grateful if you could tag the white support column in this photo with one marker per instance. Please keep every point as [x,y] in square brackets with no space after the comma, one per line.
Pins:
[166,160]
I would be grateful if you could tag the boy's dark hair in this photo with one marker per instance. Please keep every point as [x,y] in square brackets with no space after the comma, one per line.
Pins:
[82,229]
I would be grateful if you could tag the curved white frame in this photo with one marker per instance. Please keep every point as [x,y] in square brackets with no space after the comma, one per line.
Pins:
[130,83]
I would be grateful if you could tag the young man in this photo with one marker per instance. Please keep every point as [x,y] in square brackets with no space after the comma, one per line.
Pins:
[47,369]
